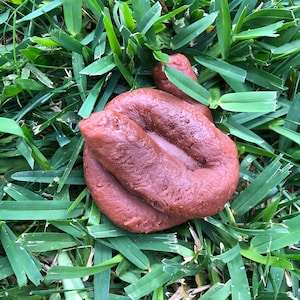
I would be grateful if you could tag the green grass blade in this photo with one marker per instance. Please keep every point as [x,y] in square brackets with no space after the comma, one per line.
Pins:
[47,241]
[38,156]
[291,122]
[254,150]
[70,164]
[28,84]
[129,249]
[80,79]
[271,176]
[277,275]
[268,30]
[41,99]
[67,272]
[223,23]
[139,10]
[158,294]
[222,67]
[295,284]
[11,126]
[26,152]
[188,33]
[270,211]
[228,255]
[42,77]
[41,10]
[253,120]
[239,281]
[237,85]
[22,263]
[252,254]
[239,20]
[39,128]
[111,35]
[219,291]
[27,146]
[51,176]
[71,44]
[275,241]
[288,133]
[44,41]
[89,103]
[269,16]
[161,242]
[73,16]
[102,280]
[63,154]
[155,242]
[122,68]
[178,269]
[110,89]
[187,85]
[264,79]
[74,287]
[148,283]
[20,193]
[74,227]
[246,134]
[288,48]
[37,210]
[6,269]
[149,18]
[126,16]
[249,101]
[106,230]
[95,6]
[100,66]
[292,61]
[171,14]
[78,200]
[4,16]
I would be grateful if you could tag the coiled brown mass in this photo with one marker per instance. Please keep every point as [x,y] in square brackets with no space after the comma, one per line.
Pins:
[153,161]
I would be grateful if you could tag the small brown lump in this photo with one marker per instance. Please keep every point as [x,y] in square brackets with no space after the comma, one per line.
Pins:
[182,64]
[153,161]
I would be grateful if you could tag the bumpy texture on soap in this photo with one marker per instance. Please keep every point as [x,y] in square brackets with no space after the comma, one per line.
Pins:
[153,161]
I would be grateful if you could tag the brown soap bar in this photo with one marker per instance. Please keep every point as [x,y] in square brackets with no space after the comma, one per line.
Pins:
[154,159]
[194,181]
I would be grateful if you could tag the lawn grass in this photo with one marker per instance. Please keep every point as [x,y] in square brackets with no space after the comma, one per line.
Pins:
[61,60]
